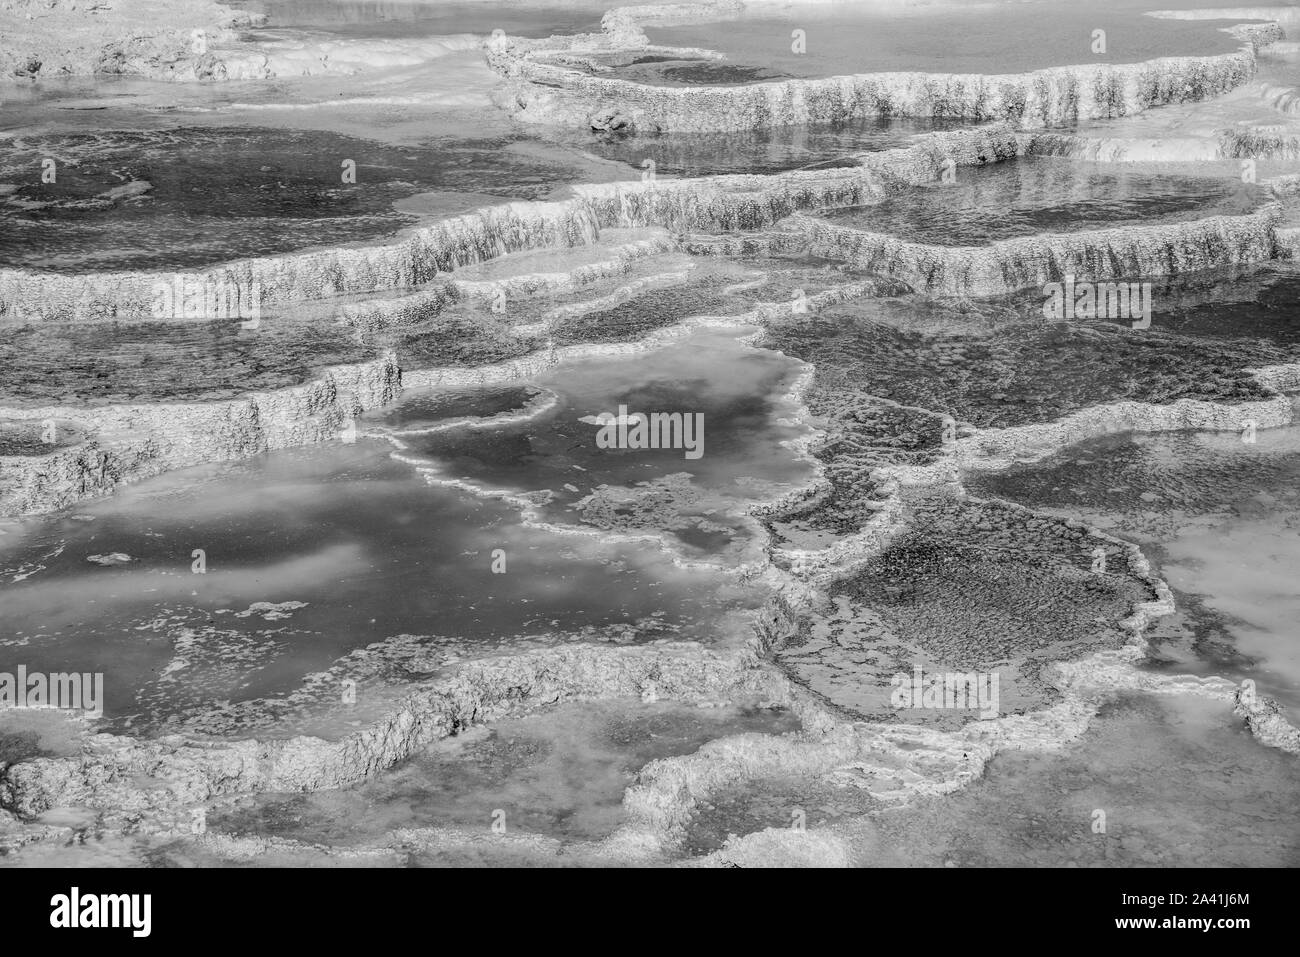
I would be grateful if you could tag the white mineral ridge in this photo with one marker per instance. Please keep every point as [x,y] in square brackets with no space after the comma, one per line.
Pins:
[112,558]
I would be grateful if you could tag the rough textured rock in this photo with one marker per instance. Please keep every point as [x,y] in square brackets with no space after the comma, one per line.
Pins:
[871,491]
[105,775]
[135,442]
[161,39]
[1099,255]
[710,204]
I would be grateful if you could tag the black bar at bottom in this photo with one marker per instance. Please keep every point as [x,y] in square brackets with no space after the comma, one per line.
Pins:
[948,908]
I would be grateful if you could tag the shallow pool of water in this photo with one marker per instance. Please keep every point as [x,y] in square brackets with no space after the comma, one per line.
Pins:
[120,362]
[1180,783]
[1221,519]
[988,38]
[1034,195]
[771,150]
[695,487]
[995,365]
[308,556]
[192,196]
[560,773]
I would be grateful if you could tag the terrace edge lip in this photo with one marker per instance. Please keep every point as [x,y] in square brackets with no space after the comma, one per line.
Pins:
[202,297]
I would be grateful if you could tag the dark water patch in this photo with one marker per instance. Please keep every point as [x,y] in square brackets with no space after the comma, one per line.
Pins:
[309,556]
[433,406]
[1219,517]
[191,197]
[640,314]
[765,151]
[18,746]
[82,363]
[1194,474]
[1033,195]
[1251,311]
[998,369]
[711,73]
[968,588]
[462,337]
[861,434]
[689,71]
[557,455]
[712,288]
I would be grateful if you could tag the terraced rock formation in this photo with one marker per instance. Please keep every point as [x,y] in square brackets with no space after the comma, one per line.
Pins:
[922,364]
